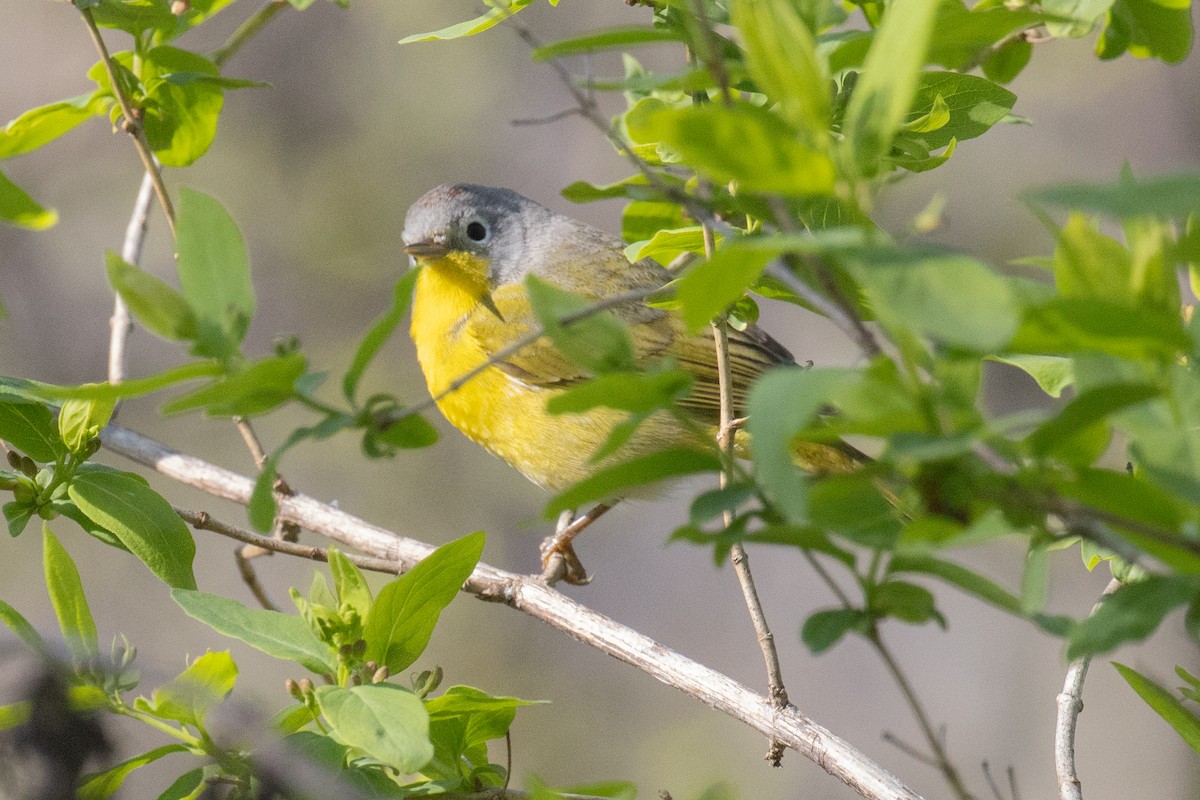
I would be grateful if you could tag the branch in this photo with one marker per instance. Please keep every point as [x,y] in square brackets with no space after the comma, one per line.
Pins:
[532,597]
[120,324]
[1070,703]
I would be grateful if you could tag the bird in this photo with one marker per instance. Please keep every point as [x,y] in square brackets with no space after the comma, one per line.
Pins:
[475,246]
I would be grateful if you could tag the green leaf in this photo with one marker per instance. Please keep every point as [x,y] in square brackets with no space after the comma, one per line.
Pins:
[1067,325]
[1165,704]
[385,721]
[826,628]
[279,635]
[782,59]
[407,609]
[1172,196]
[948,297]
[636,392]
[379,333]
[973,104]
[191,785]
[155,304]
[351,586]
[43,124]
[904,601]
[1005,63]
[709,288]
[1146,29]
[406,432]
[489,19]
[728,143]
[66,595]
[1052,373]
[214,273]
[1130,614]
[17,515]
[21,627]
[194,692]
[975,584]
[885,90]
[617,790]
[17,207]
[598,342]
[965,36]
[608,39]
[666,244]
[137,16]
[143,521]
[264,385]
[609,483]
[30,428]
[133,387]
[102,785]
[1088,409]
[80,421]
[180,117]
[783,403]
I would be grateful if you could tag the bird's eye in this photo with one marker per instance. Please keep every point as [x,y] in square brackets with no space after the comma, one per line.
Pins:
[477,231]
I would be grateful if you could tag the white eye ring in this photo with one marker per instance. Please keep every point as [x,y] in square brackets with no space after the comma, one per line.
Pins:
[478,230]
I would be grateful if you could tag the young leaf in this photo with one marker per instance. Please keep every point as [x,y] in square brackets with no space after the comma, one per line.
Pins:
[1068,325]
[43,124]
[1089,408]
[264,385]
[824,629]
[407,609]
[598,342]
[385,721]
[351,586]
[637,392]
[1172,196]
[191,785]
[904,601]
[156,305]
[214,273]
[493,16]
[181,116]
[972,105]
[369,347]
[781,56]
[280,635]
[782,404]
[1165,704]
[21,627]
[706,290]
[30,428]
[1130,614]
[17,207]
[1052,373]
[141,519]
[732,144]
[611,482]
[884,92]
[103,785]
[189,696]
[66,595]
[610,39]
[80,421]
[1146,29]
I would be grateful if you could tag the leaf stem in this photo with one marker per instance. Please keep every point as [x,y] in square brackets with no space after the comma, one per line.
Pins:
[247,31]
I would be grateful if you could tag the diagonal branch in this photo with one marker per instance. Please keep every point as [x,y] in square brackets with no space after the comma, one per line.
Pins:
[532,597]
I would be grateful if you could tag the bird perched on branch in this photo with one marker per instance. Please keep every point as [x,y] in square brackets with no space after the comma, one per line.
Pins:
[475,246]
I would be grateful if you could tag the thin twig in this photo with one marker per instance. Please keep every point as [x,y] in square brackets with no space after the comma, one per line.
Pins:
[912,752]
[246,31]
[914,703]
[532,597]
[741,561]
[120,324]
[131,123]
[1070,703]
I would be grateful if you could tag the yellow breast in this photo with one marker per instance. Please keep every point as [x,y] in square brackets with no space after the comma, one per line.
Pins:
[496,410]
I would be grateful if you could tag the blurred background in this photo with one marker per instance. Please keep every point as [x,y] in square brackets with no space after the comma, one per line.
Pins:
[319,170]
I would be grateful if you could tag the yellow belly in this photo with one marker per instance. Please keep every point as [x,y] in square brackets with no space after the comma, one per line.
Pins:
[499,412]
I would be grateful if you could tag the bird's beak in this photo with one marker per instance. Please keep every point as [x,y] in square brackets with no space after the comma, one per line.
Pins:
[433,249]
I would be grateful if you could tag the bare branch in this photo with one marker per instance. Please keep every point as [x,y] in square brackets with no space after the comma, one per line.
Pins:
[532,597]
[1070,703]
[120,324]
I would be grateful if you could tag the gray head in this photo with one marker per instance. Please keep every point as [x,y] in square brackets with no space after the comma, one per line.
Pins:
[494,224]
